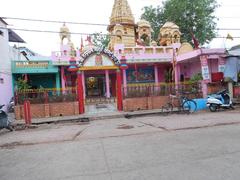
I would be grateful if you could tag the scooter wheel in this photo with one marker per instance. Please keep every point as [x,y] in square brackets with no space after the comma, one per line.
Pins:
[213,108]
[10,128]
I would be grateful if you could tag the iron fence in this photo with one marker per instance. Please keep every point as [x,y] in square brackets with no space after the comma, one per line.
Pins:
[44,96]
[192,90]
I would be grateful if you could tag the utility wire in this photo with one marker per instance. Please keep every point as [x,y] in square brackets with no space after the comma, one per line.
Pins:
[72,33]
[229,17]
[101,34]
[90,24]
[52,21]
[228,29]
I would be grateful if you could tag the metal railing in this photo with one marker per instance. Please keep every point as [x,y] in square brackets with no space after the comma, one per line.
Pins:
[194,90]
[44,96]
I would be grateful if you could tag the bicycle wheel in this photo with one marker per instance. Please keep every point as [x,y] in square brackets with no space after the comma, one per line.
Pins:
[189,106]
[168,108]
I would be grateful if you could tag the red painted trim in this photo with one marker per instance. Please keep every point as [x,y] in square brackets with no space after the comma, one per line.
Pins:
[119,91]
[27,112]
[80,93]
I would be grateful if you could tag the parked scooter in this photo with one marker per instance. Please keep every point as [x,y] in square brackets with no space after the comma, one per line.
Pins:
[10,107]
[219,100]
[4,122]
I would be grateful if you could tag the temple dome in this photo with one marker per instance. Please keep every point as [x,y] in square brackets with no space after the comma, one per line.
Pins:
[170,25]
[144,23]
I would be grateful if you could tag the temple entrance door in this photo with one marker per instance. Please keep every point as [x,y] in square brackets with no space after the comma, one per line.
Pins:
[95,86]
[96,100]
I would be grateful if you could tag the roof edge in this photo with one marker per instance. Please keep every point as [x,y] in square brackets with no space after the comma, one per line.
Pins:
[4,22]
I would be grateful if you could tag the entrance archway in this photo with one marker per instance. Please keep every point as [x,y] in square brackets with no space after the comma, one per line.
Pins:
[99,68]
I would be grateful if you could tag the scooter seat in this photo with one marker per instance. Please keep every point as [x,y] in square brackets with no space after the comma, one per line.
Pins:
[219,97]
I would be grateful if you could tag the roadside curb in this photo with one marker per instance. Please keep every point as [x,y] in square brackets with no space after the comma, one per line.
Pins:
[88,118]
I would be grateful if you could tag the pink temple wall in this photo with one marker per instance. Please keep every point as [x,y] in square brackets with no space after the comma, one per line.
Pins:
[161,70]
[188,69]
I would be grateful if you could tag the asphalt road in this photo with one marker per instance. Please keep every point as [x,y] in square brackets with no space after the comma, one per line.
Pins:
[123,150]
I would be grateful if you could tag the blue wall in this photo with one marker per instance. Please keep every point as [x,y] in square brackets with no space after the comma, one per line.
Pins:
[201,104]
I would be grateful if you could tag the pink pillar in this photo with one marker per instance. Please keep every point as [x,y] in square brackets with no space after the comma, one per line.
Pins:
[204,89]
[83,83]
[125,82]
[156,74]
[107,84]
[177,73]
[62,79]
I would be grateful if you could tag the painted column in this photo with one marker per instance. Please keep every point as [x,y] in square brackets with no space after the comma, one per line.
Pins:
[177,73]
[156,74]
[63,79]
[119,91]
[125,82]
[205,74]
[230,89]
[107,84]
[80,92]
[204,89]
[58,85]
[84,86]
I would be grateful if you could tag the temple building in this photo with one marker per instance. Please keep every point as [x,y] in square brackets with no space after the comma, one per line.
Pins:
[134,71]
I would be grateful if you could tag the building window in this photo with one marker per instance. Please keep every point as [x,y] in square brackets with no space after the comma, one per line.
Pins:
[1,33]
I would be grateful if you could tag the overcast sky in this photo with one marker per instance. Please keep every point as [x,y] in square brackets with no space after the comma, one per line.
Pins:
[92,11]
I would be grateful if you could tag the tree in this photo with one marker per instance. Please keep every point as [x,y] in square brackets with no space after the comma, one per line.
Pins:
[22,84]
[192,16]
[100,40]
[154,16]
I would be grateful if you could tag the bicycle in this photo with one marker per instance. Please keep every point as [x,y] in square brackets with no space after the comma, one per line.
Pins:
[183,104]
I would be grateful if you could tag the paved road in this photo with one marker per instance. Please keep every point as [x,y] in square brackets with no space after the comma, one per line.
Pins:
[121,149]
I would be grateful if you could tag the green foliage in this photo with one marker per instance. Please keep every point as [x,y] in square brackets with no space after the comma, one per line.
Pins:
[22,84]
[196,77]
[168,75]
[100,40]
[196,16]
[154,16]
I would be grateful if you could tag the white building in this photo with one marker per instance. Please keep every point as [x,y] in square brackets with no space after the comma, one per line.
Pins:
[7,53]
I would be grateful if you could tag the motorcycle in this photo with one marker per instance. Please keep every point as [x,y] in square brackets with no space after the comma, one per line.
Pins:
[10,106]
[4,122]
[219,100]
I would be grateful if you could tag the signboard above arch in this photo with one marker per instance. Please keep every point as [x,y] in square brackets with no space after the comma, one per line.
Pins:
[98,58]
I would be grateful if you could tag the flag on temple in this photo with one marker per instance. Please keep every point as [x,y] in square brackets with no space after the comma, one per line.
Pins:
[229,37]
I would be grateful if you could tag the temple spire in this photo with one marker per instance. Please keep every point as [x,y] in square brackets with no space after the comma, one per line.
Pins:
[122,26]
[121,13]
